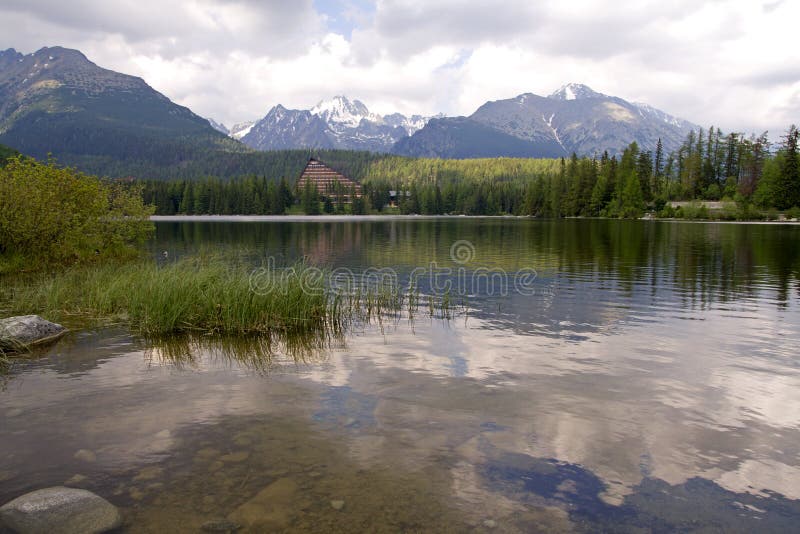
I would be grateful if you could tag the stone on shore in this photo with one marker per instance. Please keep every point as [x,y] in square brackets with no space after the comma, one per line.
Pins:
[28,330]
[62,510]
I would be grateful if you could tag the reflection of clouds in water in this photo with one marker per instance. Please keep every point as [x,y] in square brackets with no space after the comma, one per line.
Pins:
[643,402]
[128,410]
[763,475]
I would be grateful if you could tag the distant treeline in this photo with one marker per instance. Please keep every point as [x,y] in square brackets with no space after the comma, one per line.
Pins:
[185,161]
[709,165]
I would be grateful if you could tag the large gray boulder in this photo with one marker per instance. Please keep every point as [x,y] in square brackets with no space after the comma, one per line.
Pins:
[61,510]
[28,330]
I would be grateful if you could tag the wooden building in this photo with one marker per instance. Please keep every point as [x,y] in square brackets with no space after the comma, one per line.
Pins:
[328,182]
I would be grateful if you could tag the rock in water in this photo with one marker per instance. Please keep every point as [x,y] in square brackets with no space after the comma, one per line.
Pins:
[85,455]
[269,510]
[27,330]
[62,510]
[220,525]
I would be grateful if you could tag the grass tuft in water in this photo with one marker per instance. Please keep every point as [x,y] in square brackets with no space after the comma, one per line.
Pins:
[207,296]
[201,296]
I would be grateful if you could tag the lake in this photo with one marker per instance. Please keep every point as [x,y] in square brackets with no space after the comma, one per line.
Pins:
[592,375]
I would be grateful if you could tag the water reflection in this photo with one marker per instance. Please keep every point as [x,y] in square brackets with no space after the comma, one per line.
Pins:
[655,388]
[255,353]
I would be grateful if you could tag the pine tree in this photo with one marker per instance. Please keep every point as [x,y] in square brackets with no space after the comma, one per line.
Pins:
[658,163]
[310,199]
[788,186]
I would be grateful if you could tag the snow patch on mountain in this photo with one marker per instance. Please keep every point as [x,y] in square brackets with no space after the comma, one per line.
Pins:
[575,91]
[239,130]
[646,110]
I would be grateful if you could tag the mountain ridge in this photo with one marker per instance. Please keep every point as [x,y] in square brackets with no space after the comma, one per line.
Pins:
[56,101]
[575,118]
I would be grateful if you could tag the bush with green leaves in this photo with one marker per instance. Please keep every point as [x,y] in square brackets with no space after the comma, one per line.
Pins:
[52,214]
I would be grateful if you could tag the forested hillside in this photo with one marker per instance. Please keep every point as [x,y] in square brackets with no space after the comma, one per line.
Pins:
[708,166]
[57,102]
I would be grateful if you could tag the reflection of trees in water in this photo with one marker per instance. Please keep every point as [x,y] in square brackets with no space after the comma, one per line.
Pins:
[703,263]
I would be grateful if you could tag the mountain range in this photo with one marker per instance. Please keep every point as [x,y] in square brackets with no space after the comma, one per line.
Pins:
[56,101]
[336,123]
[575,118]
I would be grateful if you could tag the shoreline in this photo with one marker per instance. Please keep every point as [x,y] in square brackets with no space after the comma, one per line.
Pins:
[375,218]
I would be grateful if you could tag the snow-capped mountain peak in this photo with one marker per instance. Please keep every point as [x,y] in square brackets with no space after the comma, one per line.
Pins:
[335,123]
[575,91]
[341,110]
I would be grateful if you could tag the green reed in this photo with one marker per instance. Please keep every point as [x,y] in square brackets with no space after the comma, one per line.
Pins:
[205,296]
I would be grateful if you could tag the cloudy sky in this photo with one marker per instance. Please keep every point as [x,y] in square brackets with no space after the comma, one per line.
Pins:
[730,63]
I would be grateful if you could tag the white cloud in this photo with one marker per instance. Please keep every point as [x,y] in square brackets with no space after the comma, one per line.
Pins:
[729,63]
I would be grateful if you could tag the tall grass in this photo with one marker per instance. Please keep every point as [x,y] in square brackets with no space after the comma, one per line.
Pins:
[203,296]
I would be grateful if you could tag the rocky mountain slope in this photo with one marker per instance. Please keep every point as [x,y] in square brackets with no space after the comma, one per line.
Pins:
[56,101]
[573,119]
[336,123]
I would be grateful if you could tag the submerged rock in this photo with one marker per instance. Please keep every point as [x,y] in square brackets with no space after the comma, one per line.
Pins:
[149,473]
[337,504]
[28,330]
[85,455]
[270,509]
[235,457]
[220,525]
[62,510]
[76,480]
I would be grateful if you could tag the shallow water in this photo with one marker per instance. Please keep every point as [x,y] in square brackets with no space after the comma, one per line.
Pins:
[649,381]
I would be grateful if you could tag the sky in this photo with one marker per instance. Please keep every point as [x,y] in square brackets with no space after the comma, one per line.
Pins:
[734,64]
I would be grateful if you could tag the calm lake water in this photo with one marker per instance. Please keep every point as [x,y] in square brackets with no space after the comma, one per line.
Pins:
[647,379]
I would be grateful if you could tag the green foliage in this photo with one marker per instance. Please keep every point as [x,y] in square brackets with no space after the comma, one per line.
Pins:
[358,206]
[767,188]
[692,211]
[787,184]
[55,214]
[309,199]
[6,153]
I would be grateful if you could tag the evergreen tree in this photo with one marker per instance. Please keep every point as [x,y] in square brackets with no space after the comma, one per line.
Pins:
[357,205]
[787,191]
[310,199]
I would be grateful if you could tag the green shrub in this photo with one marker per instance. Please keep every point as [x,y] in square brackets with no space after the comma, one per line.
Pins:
[54,214]
[667,212]
[730,212]
[694,210]
[712,192]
